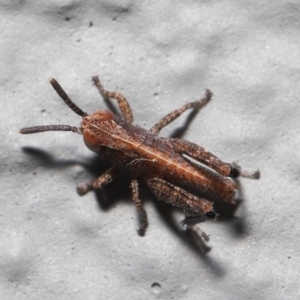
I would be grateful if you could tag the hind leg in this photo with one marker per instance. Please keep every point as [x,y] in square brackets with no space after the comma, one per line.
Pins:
[207,158]
[197,210]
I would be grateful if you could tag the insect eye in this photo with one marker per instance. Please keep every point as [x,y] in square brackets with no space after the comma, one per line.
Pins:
[90,140]
[102,115]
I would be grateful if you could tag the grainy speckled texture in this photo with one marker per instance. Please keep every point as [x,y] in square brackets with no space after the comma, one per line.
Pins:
[57,245]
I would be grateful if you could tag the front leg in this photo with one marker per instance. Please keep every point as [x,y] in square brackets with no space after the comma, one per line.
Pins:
[105,178]
[197,209]
[122,102]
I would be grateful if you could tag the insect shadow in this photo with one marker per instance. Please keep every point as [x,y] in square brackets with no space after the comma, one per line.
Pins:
[107,196]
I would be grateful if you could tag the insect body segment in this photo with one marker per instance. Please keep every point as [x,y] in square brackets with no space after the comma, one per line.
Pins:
[159,161]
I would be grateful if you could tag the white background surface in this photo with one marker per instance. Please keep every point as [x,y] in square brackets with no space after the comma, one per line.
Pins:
[57,245]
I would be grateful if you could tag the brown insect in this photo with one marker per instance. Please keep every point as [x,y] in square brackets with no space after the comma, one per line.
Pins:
[162,162]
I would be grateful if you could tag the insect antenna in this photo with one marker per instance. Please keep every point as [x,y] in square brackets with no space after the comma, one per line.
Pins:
[63,95]
[59,90]
[36,129]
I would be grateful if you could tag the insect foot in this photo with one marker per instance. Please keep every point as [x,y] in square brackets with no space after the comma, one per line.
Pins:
[162,162]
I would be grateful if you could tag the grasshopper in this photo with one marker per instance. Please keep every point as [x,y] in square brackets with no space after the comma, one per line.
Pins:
[163,163]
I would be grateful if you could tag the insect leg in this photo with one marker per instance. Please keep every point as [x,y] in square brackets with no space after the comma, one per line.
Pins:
[197,229]
[202,155]
[105,178]
[138,202]
[176,113]
[122,102]
[201,209]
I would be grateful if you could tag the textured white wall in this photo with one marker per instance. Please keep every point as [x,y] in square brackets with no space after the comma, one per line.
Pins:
[57,245]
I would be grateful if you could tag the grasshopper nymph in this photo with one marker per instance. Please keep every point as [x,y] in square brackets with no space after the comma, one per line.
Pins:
[162,162]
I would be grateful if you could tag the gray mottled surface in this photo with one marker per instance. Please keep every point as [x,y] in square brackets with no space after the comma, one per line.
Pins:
[57,245]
